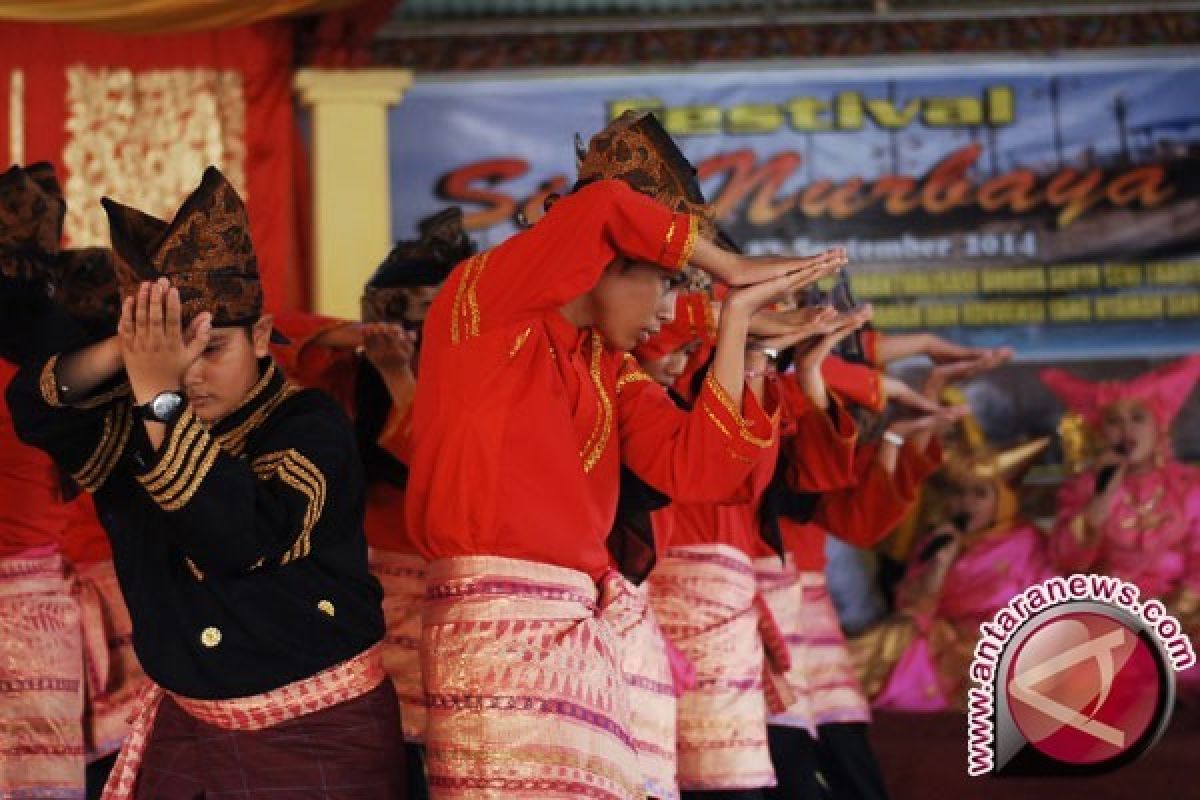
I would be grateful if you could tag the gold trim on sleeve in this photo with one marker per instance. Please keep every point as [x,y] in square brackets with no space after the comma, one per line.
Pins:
[519,342]
[716,421]
[594,449]
[727,403]
[464,313]
[49,387]
[189,454]
[298,472]
[118,424]
[632,373]
[689,245]
[48,383]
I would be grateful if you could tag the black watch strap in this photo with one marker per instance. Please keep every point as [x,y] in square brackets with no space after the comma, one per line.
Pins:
[165,407]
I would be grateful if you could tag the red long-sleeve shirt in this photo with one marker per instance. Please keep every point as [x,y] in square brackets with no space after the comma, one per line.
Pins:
[521,420]
[866,512]
[32,513]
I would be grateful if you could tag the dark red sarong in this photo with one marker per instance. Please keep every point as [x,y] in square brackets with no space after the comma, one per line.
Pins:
[350,751]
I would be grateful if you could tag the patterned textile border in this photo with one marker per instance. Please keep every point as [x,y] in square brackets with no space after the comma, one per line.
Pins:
[1029,34]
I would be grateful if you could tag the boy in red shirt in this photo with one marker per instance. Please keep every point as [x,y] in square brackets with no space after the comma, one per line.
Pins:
[527,406]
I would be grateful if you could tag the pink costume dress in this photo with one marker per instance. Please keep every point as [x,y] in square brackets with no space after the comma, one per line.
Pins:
[918,660]
[1151,536]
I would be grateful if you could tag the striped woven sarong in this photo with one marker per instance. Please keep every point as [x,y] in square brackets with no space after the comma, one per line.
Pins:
[646,666]
[403,578]
[41,679]
[523,683]
[819,648]
[115,678]
[704,598]
[779,585]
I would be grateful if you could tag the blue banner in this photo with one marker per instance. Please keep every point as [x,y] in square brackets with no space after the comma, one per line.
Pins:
[1049,204]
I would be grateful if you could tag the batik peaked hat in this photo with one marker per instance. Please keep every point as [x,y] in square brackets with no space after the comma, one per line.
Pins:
[86,286]
[205,251]
[423,262]
[636,149]
[32,210]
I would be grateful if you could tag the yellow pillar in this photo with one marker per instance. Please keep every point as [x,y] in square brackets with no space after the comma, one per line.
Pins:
[351,186]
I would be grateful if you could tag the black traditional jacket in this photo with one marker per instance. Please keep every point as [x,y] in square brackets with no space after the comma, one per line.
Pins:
[239,548]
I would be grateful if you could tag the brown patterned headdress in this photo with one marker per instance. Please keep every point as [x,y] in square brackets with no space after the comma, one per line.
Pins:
[205,251]
[32,210]
[636,149]
[85,286]
[416,263]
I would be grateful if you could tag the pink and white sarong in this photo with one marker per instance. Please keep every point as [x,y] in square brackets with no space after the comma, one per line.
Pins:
[402,576]
[704,596]
[524,687]
[41,678]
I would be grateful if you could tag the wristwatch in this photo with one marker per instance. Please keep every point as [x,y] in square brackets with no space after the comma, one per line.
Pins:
[165,408]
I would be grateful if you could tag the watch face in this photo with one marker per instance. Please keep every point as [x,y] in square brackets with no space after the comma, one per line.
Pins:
[165,404]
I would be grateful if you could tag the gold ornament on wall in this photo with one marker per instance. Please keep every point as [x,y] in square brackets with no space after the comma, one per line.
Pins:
[144,138]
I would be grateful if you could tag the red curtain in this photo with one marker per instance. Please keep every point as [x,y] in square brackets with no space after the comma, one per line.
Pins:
[266,141]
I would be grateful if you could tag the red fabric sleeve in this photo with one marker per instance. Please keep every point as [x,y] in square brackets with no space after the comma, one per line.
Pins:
[866,513]
[821,443]
[872,340]
[856,383]
[701,456]
[309,364]
[565,253]
[914,467]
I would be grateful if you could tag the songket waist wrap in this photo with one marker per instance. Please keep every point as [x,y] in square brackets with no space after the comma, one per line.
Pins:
[646,665]
[403,578]
[780,586]
[819,648]
[41,678]
[704,597]
[115,679]
[339,684]
[523,684]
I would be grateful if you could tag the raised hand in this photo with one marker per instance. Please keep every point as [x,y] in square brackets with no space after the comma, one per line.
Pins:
[938,349]
[843,324]
[899,392]
[944,375]
[388,347]
[938,421]
[154,346]
[793,327]
[775,282]
[812,353]
[742,270]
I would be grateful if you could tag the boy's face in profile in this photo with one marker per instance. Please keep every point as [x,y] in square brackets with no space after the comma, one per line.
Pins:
[631,303]
[218,381]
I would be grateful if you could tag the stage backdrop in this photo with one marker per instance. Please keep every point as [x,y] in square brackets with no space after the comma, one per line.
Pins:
[138,118]
[1053,205]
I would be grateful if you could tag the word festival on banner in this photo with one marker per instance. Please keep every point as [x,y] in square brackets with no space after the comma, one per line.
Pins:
[994,202]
